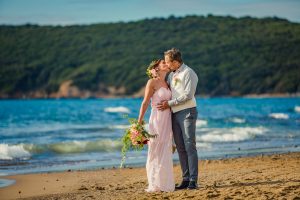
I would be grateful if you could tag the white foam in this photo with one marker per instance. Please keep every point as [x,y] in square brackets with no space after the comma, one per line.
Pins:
[120,126]
[120,109]
[9,152]
[201,122]
[85,146]
[297,109]
[279,116]
[202,145]
[232,134]
[237,120]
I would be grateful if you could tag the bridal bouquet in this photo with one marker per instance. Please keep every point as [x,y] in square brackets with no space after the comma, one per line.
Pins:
[135,137]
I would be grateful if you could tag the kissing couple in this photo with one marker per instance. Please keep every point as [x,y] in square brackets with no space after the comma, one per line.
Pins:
[171,91]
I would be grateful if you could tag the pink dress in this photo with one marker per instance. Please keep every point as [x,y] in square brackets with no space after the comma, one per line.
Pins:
[159,164]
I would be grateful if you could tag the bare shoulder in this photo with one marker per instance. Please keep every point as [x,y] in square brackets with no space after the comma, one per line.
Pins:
[151,82]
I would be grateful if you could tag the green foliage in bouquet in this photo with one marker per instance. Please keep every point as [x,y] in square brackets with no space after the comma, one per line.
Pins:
[134,138]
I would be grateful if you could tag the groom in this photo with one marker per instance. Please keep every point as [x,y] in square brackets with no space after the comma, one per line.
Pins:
[183,83]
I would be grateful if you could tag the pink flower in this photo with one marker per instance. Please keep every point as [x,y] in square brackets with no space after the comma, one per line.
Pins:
[134,132]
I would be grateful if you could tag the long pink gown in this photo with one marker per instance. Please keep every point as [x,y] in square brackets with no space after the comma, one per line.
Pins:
[159,164]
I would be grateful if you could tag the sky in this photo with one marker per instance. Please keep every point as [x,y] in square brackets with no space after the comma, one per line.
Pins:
[70,12]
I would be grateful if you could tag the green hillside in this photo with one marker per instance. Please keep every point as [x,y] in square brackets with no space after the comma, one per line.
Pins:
[232,56]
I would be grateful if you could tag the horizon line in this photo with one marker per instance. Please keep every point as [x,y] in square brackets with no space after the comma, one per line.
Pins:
[149,18]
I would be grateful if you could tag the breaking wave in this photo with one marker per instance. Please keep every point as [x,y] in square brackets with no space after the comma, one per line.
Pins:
[120,109]
[237,120]
[25,151]
[200,123]
[9,152]
[231,134]
[278,116]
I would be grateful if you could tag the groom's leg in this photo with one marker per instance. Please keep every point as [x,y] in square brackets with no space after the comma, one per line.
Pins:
[177,133]
[188,127]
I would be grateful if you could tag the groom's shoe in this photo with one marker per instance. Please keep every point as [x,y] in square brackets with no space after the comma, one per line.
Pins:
[192,185]
[183,185]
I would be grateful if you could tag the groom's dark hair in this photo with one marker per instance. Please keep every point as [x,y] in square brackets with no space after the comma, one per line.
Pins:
[174,54]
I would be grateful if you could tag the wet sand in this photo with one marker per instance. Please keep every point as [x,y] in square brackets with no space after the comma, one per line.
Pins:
[262,177]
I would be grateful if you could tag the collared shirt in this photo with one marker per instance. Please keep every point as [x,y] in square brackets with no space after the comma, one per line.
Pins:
[188,79]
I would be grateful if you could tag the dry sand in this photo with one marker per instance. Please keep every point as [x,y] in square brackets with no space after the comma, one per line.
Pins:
[260,177]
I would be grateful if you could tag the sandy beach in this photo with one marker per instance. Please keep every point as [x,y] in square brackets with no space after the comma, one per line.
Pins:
[262,177]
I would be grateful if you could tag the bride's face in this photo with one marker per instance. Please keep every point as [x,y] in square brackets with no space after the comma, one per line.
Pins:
[163,66]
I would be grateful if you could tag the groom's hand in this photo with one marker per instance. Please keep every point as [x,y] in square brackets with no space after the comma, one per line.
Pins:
[163,105]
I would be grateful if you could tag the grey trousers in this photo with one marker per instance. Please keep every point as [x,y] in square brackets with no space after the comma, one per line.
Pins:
[184,128]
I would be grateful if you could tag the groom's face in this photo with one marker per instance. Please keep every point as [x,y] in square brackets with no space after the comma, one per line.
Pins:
[169,62]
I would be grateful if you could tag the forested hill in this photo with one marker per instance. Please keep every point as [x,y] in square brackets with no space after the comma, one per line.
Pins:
[232,56]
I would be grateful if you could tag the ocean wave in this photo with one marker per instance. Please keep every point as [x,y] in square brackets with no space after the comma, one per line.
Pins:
[9,152]
[231,134]
[25,151]
[120,126]
[297,109]
[237,120]
[278,116]
[85,146]
[203,145]
[49,128]
[120,109]
[201,122]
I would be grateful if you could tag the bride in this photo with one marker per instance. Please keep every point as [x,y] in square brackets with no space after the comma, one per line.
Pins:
[159,164]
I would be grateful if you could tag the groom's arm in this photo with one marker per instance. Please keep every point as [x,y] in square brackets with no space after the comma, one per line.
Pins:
[190,85]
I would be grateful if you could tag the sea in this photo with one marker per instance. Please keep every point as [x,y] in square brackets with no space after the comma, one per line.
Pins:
[83,134]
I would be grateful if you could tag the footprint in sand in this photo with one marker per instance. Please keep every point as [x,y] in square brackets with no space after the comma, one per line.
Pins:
[99,188]
[213,195]
[83,188]
[120,188]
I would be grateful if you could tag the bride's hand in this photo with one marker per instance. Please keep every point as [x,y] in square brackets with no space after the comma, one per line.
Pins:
[140,121]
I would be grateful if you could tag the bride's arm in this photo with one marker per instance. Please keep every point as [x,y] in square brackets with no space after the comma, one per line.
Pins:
[148,94]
